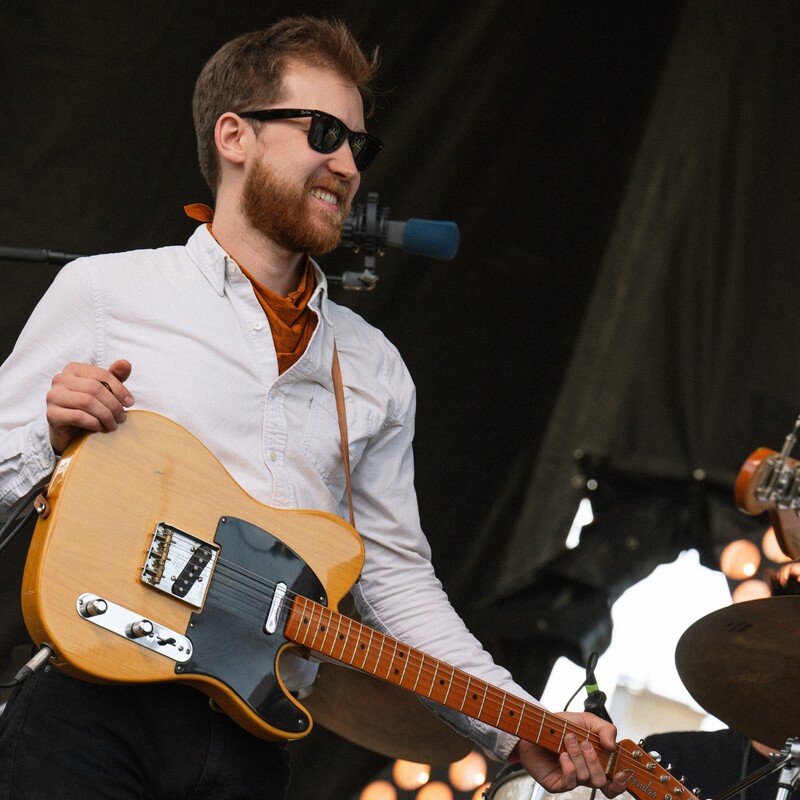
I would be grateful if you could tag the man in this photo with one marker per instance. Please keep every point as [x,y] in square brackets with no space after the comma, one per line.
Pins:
[233,337]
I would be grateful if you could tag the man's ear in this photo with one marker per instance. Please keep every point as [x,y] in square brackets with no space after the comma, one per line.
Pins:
[232,136]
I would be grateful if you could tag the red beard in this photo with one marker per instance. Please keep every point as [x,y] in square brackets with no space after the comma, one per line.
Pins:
[281,212]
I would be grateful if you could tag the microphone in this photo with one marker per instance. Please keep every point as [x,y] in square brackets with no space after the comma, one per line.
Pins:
[368,229]
[595,701]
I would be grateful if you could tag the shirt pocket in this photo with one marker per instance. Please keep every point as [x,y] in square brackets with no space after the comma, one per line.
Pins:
[321,444]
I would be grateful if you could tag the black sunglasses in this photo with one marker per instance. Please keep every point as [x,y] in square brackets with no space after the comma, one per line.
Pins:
[326,133]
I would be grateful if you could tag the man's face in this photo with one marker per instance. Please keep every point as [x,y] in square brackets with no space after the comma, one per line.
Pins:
[295,196]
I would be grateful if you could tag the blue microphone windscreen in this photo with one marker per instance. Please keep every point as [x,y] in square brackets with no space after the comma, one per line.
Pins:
[434,238]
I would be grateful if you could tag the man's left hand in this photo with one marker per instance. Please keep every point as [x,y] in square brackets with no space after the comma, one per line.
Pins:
[579,764]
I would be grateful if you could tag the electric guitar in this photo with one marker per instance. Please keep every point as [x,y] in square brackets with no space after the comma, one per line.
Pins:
[150,563]
[770,481]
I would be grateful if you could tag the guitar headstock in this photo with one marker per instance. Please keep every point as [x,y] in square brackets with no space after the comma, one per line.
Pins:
[647,779]
[768,481]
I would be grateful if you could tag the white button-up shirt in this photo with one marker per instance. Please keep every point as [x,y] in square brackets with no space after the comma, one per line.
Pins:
[202,354]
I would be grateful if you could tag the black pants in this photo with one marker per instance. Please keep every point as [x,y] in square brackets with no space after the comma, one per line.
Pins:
[67,739]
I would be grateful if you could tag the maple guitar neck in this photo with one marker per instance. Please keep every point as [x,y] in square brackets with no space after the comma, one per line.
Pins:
[329,633]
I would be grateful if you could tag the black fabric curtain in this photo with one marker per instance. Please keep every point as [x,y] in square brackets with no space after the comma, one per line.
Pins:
[683,365]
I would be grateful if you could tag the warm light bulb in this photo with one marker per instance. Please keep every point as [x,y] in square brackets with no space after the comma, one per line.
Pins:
[435,790]
[739,560]
[750,590]
[378,790]
[772,550]
[469,773]
[410,775]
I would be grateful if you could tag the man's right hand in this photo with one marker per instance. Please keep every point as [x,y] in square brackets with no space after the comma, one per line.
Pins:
[87,398]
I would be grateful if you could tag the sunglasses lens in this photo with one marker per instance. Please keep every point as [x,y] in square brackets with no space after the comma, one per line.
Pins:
[327,134]
[365,148]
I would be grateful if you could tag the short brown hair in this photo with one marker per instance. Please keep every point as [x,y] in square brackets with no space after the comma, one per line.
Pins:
[247,72]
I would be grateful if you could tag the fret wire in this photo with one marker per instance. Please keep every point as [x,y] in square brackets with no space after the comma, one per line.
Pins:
[502,708]
[433,680]
[541,727]
[421,665]
[466,694]
[380,653]
[355,647]
[485,692]
[336,636]
[520,718]
[449,685]
[317,627]
[367,649]
[391,660]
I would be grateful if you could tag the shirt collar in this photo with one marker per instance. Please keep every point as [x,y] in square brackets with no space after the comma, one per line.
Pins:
[212,260]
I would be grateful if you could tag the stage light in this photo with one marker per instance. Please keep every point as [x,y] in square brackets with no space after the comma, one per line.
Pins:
[410,775]
[469,773]
[739,560]
[771,548]
[378,790]
[753,589]
[436,790]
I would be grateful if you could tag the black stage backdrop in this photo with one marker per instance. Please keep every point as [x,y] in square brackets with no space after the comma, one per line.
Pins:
[624,176]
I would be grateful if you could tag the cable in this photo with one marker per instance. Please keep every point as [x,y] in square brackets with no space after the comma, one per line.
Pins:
[41,657]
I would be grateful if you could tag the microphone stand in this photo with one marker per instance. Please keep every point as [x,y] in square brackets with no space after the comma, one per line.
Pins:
[365,232]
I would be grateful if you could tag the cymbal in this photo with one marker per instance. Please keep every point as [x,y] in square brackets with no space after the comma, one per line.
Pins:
[742,665]
[381,717]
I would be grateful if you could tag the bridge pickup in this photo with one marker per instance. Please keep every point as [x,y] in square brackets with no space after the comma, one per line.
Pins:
[180,564]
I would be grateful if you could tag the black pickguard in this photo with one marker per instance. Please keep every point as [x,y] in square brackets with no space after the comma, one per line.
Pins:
[228,637]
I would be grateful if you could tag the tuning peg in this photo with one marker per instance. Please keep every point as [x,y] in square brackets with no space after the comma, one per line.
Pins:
[656,756]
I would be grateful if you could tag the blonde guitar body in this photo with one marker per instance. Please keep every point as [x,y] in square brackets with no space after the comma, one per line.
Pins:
[108,497]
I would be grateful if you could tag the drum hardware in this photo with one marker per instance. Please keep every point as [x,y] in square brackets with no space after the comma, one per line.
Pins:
[788,761]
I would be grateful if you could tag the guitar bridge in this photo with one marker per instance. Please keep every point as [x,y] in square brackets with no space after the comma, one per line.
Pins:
[180,564]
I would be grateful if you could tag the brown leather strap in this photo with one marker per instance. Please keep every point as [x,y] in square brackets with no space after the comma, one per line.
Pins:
[338,391]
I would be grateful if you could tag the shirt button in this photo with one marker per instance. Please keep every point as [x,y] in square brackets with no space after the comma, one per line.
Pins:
[257,326]
[273,456]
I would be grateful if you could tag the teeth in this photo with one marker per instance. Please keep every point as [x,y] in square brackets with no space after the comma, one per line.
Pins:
[328,197]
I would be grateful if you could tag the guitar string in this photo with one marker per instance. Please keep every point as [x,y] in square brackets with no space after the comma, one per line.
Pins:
[235,577]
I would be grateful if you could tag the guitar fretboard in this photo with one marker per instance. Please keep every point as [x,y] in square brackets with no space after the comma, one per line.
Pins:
[342,639]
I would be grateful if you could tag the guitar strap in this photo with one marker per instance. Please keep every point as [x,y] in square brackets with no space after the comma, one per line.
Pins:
[338,391]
